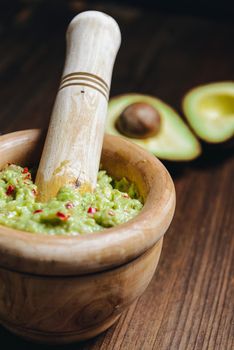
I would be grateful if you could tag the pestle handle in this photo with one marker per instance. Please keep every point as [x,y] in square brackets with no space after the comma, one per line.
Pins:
[72,149]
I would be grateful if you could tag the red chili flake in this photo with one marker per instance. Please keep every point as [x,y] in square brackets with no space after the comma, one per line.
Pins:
[62,216]
[10,190]
[91,210]
[125,195]
[38,211]
[69,205]
[28,176]
[25,170]
[111,213]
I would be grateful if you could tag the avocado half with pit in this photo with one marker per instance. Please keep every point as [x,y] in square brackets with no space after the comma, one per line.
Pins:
[152,124]
[209,110]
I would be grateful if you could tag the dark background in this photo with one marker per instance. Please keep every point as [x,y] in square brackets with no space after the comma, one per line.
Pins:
[178,44]
[198,7]
[167,48]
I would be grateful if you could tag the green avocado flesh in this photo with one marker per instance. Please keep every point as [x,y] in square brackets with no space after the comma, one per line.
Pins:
[209,110]
[174,141]
[112,203]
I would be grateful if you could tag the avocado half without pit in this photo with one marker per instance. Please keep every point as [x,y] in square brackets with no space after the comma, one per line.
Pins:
[152,124]
[209,110]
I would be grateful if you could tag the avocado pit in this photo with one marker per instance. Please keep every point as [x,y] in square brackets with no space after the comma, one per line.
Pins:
[139,120]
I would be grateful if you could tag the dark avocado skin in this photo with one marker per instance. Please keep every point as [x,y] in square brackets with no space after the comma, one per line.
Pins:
[213,156]
[226,145]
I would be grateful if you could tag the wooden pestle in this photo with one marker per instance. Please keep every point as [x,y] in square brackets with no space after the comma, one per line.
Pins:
[72,149]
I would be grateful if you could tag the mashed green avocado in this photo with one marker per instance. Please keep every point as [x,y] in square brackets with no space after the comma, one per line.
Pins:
[70,212]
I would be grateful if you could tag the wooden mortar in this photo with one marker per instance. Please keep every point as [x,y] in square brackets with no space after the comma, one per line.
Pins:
[61,289]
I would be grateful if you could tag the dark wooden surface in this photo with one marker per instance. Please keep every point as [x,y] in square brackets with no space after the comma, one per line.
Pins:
[189,303]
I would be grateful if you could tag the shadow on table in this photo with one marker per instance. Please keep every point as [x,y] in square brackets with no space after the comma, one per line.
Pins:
[213,156]
[16,343]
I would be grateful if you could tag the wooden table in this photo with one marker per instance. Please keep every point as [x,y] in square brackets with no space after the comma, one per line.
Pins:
[189,303]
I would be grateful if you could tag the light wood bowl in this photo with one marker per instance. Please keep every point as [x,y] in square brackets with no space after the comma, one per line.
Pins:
[57,289]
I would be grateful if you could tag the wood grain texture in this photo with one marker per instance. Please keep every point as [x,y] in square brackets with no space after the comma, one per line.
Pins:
[60,310]
[73,144]
[189,303]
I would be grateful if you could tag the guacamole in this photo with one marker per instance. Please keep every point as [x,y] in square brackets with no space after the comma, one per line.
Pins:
[70,212]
